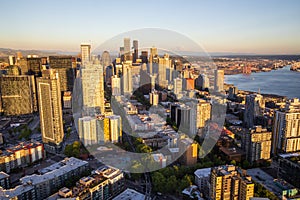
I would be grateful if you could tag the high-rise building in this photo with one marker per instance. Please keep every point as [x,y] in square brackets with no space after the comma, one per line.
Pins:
[145,80]
[85,53]
[115,125]
[127,54]
[66,73]
[50,108]
[286,128]
[203,113]
[163,64]
[116,85]
[202,81]
[144,57]
[127,78]
[254,107]
[18,94]
[154,98]
[34,65]
[135,50]
[219,80]
[233,91]
[190,154]
[67,99]
[105,59]
[109,72]
[153,55]
[92,88]
[23,64]
[126,45]
[229,183]
[177,86]
[189,84]
[257,144]
[11,60]
[99,130]
[87,130]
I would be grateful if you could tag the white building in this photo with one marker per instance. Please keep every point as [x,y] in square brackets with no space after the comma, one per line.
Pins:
[116,85]
[127,78]
[286,131]
[154,98]
[92,88]
[85,53]
[202,179]
[219,80]
[177,86]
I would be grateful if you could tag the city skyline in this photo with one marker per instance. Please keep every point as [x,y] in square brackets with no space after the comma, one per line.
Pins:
[222,27]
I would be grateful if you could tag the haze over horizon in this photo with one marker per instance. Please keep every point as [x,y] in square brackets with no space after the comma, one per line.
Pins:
[227,27]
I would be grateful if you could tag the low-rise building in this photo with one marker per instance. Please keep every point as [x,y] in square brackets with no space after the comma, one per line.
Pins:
[202,180]
[130,194]
[4,180]
[21,155]
[48,182]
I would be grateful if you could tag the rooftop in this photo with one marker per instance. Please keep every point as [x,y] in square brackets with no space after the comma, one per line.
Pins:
[3,175]
[130,194]
[202,172]
[55,170]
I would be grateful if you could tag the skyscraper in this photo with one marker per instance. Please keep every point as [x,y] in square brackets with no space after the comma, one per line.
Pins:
[202,81]
[257,144]
[18,94]
[154,98]
[85,53]
[66,73]
[92,88]
[177,86]
[34,65]
[135,50]
[219,80]
[105,59]
[116,85]
[50,108]
[163,64]
[286,129]
[254,107]
[153,55]
[126,45]
[127,78]
[127,54]
[203,113]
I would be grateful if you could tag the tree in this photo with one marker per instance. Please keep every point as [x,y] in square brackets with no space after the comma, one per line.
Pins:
[171,184]
[76,144]
[246,164]
[233,162]
[159,182]
[185,182]
[142,148]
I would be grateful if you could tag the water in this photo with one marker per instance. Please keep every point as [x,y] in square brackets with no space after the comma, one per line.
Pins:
[281,82]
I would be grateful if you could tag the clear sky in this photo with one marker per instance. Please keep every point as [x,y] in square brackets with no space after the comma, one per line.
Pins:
[250,26]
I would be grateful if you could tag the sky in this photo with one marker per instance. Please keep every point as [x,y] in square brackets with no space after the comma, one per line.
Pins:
[254,26]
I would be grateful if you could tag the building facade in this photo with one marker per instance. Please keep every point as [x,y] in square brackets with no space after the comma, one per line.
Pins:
[18,94]
[230,183]
[50,109]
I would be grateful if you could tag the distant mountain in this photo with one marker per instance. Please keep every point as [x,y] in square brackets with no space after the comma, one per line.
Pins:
[5,52]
